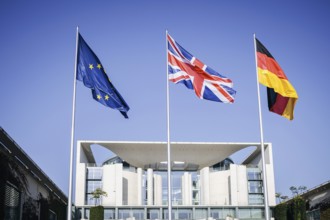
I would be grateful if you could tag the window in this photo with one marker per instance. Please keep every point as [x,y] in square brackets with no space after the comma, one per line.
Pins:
[222,213]
[256,199]
[124,213]
[165,214]
[94,173]
[177,187]
[251,214]
[86,214]
[185,214]
[138,214]
[200,213]
[12,202]
[109,214]
[93,181]
[153,214]
[255,187]
[253,173]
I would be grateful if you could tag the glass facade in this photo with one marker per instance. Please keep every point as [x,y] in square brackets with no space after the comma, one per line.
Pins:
[176,187]
[223,165]
[201,213]
[195,188]
[251,213]
[255,186]
[93,181]
[109,214]
[181,213]
[153,214]
[222,213]
[134,213]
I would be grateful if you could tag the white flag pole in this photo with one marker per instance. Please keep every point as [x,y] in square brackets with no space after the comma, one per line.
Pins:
[169,188]
[69,210]
[264,176]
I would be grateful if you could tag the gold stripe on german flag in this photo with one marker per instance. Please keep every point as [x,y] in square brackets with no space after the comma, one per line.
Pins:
[281,94]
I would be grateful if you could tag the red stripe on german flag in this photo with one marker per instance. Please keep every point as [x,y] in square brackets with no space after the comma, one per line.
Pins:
[281,94]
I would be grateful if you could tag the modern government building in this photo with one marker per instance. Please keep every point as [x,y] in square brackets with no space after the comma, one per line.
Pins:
[206,183]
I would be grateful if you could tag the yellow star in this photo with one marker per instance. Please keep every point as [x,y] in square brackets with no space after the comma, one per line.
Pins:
[106,97]
[99,66]
[98,97]
[91,66]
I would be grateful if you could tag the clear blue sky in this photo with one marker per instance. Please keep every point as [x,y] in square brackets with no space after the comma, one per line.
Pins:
[37,55]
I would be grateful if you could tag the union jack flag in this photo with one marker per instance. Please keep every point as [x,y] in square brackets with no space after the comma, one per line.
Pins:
[187,69]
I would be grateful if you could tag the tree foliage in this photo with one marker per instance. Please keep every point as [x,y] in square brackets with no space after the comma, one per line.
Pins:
[96,213]
[293,210]
[97,195]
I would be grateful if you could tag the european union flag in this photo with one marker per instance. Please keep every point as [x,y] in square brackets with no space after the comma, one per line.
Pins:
[91,72]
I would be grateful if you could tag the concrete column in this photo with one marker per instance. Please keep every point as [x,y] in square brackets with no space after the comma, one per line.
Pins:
[233,185]
[150,187]
[139,186]
[158,186]
[80,190]
[113,184]
[205,185]
[186,189]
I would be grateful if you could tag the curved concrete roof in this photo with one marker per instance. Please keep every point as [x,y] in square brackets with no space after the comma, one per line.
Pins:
[144,154]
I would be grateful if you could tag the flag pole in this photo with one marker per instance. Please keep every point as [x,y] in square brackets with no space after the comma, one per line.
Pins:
[169,191]
[264,176]
[69,210]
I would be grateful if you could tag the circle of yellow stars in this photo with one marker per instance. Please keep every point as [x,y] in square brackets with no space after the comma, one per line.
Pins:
[99,66]
[91,66]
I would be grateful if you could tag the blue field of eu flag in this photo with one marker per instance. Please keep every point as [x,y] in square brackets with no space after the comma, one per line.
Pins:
[91,72]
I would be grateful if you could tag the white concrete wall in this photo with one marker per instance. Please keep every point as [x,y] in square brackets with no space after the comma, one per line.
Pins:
[205,186]
[80,182]
[270,175]
[186,189]
[81,156]
[219,187]
[130,192]
[243,193]
[238,185]
[113,184]
[270,185]
[158,187]
[139,186]
[80,189]
[150,187]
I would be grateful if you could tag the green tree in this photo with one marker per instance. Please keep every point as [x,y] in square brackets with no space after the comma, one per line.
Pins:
[284,198]
[298,207]
[97,195]
[96,213]
[294,191]
[302,189]
[278,196]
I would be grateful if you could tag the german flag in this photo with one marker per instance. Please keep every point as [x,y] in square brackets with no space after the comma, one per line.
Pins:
[281,94]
